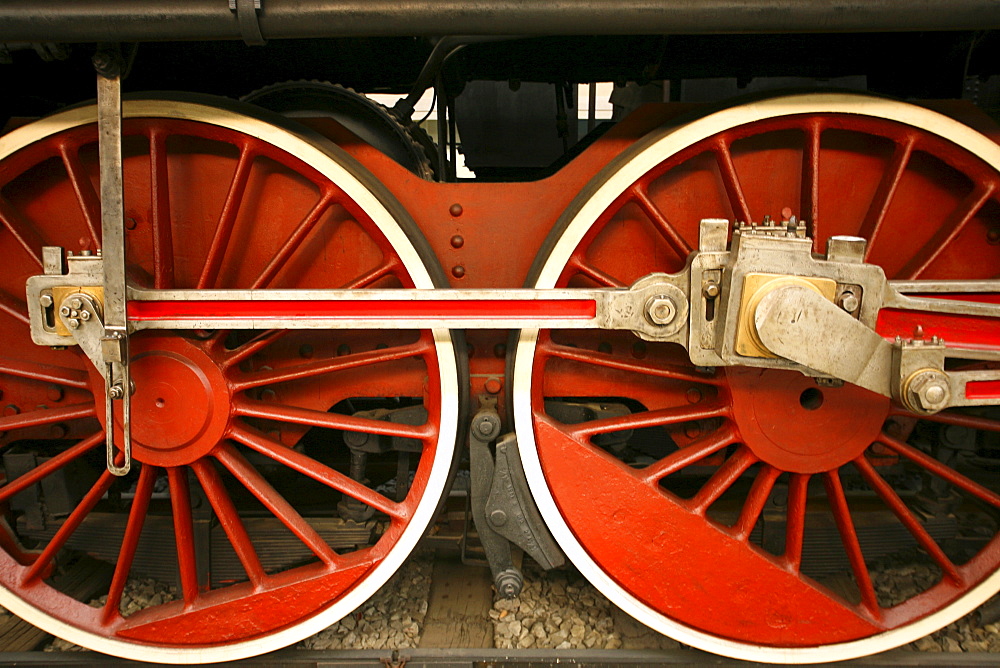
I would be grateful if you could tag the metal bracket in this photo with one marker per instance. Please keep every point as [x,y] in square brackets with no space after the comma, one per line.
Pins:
[511,510]
[246,14]
[114,344]
[484,428]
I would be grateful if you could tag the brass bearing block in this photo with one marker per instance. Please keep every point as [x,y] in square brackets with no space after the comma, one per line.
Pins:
[755,287]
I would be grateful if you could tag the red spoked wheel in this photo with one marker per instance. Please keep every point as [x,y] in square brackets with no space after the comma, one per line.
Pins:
[748,512]
[241,439]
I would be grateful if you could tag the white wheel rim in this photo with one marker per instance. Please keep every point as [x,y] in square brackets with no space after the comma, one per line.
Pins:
[326,158]
[617,177]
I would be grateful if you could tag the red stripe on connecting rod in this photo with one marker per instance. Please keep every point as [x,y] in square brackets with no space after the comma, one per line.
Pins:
[962,331]
[360,309]
[982,389]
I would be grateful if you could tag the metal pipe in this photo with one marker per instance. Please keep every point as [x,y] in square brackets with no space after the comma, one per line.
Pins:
[142,20]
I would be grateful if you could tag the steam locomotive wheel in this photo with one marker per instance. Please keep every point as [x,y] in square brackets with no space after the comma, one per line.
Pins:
[707,509]
[232,425]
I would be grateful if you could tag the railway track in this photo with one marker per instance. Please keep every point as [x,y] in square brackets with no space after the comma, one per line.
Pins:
[456,622]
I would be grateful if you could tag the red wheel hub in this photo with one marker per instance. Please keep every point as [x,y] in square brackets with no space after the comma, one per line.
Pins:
[181,406]
[794,425]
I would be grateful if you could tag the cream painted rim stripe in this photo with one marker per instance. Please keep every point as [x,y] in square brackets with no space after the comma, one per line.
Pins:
[668,144]
[324,160]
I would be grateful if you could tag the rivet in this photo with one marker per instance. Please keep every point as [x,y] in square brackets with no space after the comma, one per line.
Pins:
[457,241]
[306,351]
[993,235]
[458,271]
[604,347]
[500,350]
[343,349]
[54,393]
[694,395]
[130,223]
[58,431]
[10,409]
[639,349]
[455,210]
[692,430]
[493,386]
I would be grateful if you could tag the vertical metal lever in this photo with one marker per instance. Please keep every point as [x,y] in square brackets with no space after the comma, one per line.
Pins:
[117,385]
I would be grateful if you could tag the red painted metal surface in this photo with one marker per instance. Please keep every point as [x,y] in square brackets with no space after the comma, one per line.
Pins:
[679,525]
[211,208]
[925,206]
[362,309]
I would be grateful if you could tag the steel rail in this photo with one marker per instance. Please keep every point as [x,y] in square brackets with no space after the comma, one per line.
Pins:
[142,20]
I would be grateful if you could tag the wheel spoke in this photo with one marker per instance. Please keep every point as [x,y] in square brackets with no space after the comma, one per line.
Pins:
[294,242]
[253,346]
[689,454]
[163,243]
[950,228]
[187,561]
[40,417]
[389,266]
[319,472]
[549,348]
[14,308]
[306,416]
[731,180]
[958,419]
[45,373]
[902,512]
[810,174]
[332,365]
[49,467]
[722,479]
[229,519]
[130,541]
[655,418]
[90,204]
[872,224]
[795,521]
[756,500]
[40,565]
[849,538]
[24,235]
[581,265]
[224,227]
[663,226]
[941,470]
[248,476]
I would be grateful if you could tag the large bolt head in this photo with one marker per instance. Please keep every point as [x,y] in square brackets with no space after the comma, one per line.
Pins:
[661,310]
[849,302]
[45,301]
[927,391]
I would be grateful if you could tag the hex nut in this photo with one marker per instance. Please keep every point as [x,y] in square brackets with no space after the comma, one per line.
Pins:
[849,302]
[926,391]
[661,310]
